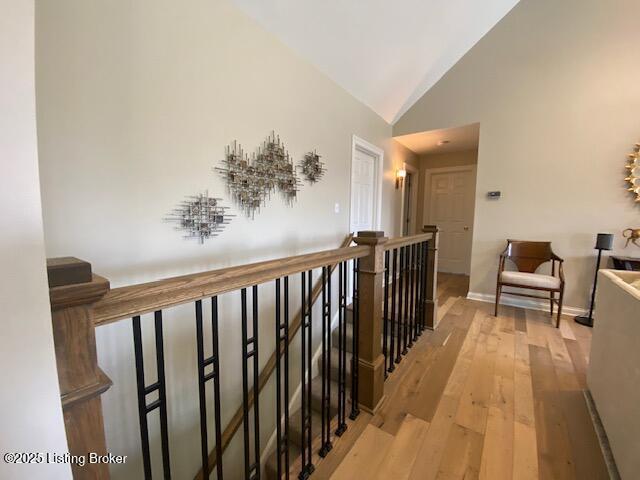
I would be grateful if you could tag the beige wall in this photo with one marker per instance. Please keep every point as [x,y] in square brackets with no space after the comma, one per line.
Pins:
[136,103]
[400,155]
[30,410]
[554,87]
[439,160]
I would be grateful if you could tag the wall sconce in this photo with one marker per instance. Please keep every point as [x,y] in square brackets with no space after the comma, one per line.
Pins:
[400,174]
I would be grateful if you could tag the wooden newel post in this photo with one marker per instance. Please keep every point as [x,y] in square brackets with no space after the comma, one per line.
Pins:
[72,290]
[431,297]
[370,304]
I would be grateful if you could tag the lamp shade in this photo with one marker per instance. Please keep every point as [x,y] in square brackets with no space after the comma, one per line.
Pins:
[604,241]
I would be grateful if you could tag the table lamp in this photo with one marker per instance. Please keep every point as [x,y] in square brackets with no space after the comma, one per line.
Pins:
[604,241]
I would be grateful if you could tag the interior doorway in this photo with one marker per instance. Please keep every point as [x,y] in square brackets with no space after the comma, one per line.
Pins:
[449,203]
[366,186]
[445,188]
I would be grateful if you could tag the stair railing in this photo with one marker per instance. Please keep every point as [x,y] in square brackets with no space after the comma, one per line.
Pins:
[82,301]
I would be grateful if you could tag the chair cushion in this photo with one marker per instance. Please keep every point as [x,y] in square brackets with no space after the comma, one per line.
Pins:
[530,280]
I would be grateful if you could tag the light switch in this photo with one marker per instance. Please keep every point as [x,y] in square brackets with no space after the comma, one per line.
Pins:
[336,208]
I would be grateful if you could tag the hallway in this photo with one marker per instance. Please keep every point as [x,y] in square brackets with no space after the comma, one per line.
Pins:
[480,397]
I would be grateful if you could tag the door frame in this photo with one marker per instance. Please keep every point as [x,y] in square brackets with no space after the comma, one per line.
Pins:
[358,143]
[426,213]
[414,197]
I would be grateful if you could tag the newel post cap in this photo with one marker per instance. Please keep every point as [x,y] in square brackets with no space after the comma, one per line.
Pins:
[370,237]
[429,228]
[72,283]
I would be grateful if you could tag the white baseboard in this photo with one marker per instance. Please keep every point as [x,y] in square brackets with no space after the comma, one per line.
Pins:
[509,300]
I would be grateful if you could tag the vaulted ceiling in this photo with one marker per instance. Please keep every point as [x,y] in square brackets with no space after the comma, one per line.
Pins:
[385,53]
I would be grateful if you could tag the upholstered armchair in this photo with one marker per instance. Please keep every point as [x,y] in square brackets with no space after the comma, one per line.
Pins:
[527,257]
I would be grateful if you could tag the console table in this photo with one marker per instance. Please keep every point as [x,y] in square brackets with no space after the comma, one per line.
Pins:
[626,263]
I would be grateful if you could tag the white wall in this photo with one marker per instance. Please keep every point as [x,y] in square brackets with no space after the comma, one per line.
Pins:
[30,410]
[554,87]
[136,103]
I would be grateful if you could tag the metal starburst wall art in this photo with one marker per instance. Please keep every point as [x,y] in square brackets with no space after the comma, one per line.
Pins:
[311,166]
[200,216]
[633,172]
[251,181]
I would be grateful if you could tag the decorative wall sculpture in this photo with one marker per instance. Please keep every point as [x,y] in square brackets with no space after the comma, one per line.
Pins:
[312,168]
[251,181]
[200,216]
[633,169]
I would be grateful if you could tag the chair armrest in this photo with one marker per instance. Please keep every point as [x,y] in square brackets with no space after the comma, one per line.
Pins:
[501,263]
[561,271]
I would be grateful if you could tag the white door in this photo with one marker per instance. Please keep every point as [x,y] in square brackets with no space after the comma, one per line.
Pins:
[363,191]
[449,204]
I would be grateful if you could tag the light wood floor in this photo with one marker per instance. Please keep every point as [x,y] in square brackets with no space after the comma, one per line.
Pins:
[481,397]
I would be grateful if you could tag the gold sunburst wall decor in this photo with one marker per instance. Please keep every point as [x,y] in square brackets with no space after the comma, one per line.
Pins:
[633,172]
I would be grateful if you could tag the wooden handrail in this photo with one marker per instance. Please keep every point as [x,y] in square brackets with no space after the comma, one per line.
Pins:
[404,241]
[265,374]
[126,302]
[82,301]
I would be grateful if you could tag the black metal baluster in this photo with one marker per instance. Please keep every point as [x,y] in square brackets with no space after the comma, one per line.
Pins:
[410,285]
[323,361]
[425,264]
[394,322]
[400,296]
[204,444]
[310,466]
[245,388]
[143,391]
[278,386]
[385,312]
[342,348]
[252,469]
[162,395]
[405,306]
[414,303]
[355,411]
[142,400]
[203,377]
[419,290]
[282,345]
[256,386]
[326,446]
[305,416]
[303,375]
[286,377]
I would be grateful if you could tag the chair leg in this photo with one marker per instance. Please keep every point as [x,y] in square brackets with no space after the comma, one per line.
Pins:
[551,303]
[498,293]
[560,308]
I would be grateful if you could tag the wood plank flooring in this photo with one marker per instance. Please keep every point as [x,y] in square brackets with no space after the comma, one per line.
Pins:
[480,397]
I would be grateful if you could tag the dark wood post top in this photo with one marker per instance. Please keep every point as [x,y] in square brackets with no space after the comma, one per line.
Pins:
[71,283]
[370,237]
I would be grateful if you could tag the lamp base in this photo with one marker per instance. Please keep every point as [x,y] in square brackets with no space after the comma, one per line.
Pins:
[586,321]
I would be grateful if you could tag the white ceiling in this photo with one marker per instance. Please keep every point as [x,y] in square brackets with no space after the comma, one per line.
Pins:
[385,53]
[460,139]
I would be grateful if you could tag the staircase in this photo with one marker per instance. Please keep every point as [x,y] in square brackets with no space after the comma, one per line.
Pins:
[295,424]
[375,261]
